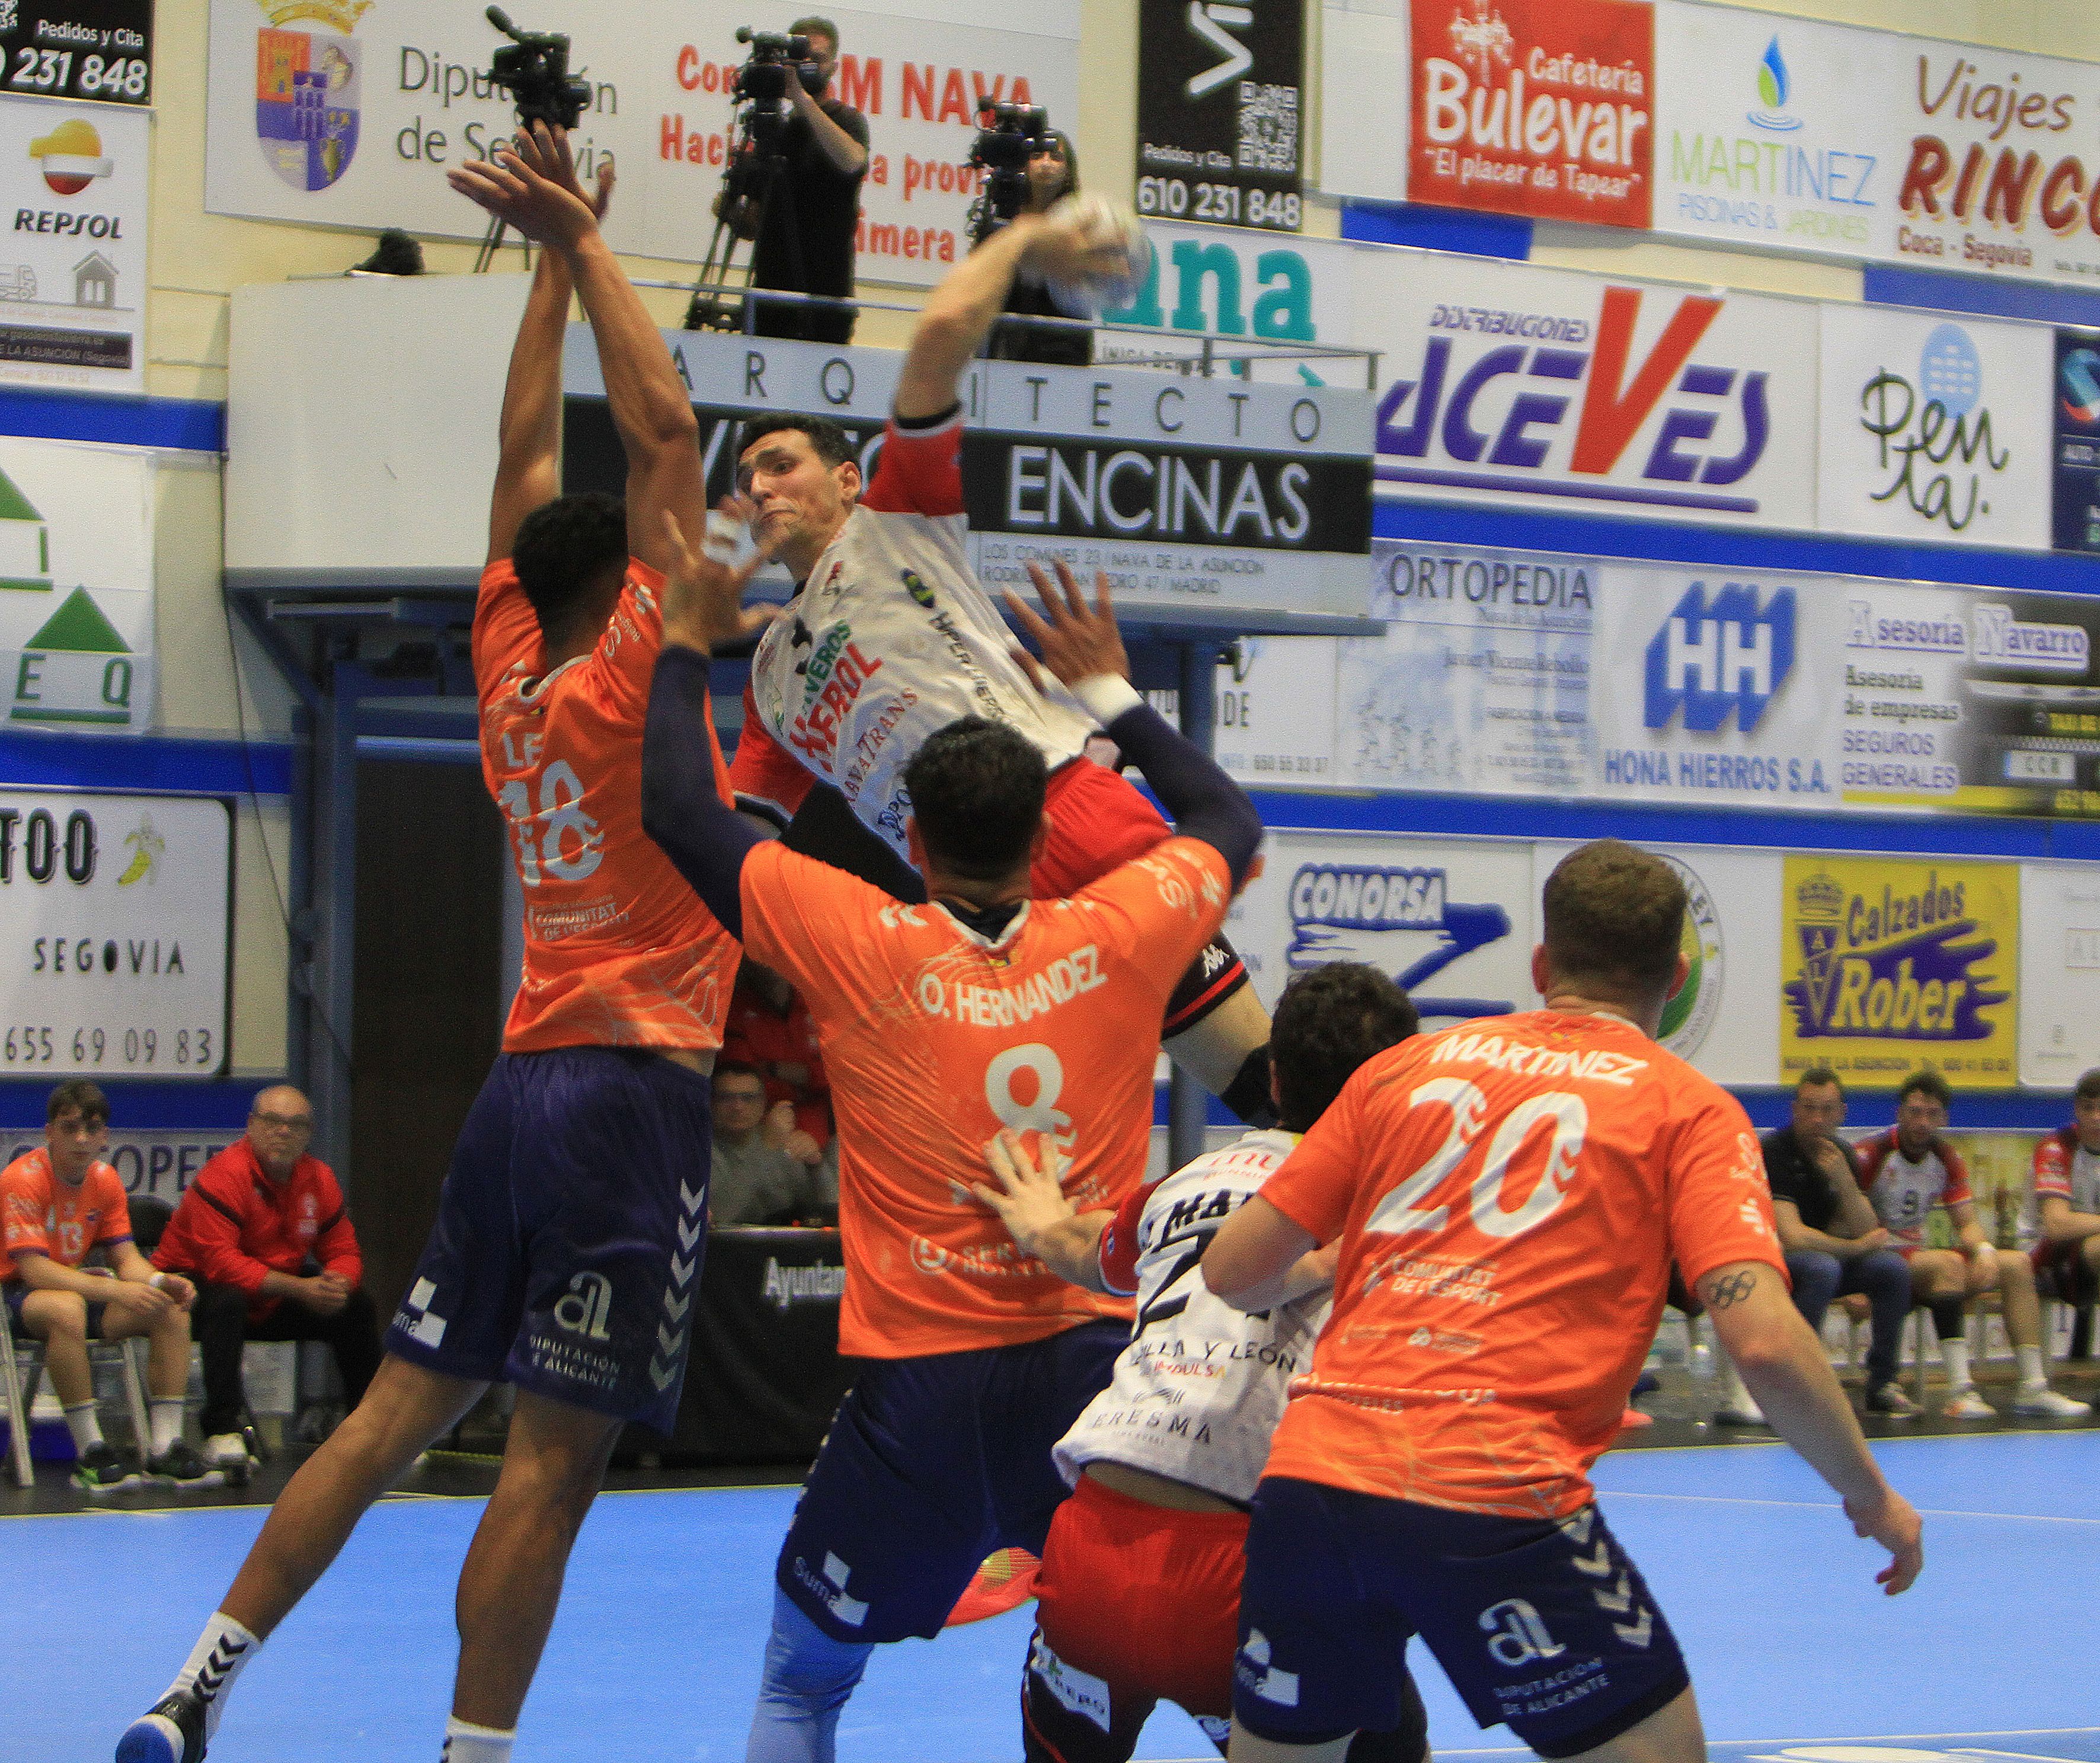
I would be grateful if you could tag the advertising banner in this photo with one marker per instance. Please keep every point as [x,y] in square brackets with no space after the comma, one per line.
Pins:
[2059,973]
[1783,133]
[2075,413]
[77,638]
[1567,391]
[1893,963]
[1452,920]
[1723,1019]
[72,271]
[114,913]
[1541,107]
[1220,113]
[1275,719]
[93,51]
[1270,514]
[348,113]
[1934,429]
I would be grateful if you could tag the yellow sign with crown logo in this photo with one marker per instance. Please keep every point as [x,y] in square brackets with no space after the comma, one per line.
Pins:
[1893,963]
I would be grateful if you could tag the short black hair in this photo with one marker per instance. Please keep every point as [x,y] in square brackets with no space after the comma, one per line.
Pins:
[1328,1022]
[78,1093]
[1927,1082]
[2088,1085]
[977,790]
[563,547]
[831,443]
[1816,1077]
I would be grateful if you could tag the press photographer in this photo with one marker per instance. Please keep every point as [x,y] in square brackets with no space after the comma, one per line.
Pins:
[802,201]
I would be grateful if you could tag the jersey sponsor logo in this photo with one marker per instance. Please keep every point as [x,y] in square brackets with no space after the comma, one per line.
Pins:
[1898,966]
[416,1319]
[1078,1692]
[587,1308]
[915,584]
[1518,1633]
[1710,662]
[833,679]
[1401,920]
[829,1588]
[1253,1672]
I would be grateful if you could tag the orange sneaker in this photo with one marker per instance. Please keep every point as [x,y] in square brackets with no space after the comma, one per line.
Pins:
[1005,1581]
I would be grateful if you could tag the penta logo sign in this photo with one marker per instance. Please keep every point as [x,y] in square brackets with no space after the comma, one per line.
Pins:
[1712,661]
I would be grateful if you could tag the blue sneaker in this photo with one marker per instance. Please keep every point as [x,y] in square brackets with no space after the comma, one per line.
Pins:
[172,1732]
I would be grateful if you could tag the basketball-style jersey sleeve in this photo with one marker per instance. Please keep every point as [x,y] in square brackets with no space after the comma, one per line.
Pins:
[817,927]
[921,469]
[1720,1203]
[765,773]
[1159,910]
[1119,1244]
[104,1193]
[2051,1168]
[1315,1187]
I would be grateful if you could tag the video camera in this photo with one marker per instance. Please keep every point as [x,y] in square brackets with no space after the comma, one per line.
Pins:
[763,79]
[1008,136]
[535,71]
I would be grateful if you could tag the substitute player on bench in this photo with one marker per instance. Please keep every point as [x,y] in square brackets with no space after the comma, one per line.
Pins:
[1138,1598]
[891,636]
[1509,1196]
[557,1263]
[941,1025]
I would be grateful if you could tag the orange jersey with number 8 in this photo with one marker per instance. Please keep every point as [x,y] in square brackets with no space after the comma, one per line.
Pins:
[936,1037]
[1510,1195]
[619,952]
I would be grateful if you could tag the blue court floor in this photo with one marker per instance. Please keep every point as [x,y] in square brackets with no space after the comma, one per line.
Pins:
[1993,1658]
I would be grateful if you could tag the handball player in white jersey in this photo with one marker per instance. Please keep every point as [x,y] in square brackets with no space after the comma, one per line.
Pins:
[1138,1597]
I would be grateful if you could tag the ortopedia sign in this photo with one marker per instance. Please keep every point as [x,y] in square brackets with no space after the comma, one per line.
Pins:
[113,918]
[1568,389]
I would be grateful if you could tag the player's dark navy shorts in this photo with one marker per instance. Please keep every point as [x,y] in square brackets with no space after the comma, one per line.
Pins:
[566,1258]
[931,1464]
[15,1290]
[1545,1628]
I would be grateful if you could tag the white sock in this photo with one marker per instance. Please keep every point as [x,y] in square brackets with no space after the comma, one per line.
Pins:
[466,1743]
[2032,1375]
[224,1648]
[86,1425]
[167,1422]
[1954,1354]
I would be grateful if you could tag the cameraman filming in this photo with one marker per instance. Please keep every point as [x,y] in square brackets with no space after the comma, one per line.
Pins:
[805,237]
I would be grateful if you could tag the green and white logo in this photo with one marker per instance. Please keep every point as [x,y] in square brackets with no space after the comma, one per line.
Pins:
[1687,1016]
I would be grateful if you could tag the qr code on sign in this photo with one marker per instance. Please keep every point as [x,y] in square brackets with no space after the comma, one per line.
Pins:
[1268,127]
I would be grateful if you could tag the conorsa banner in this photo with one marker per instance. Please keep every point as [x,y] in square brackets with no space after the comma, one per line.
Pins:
[1539,108]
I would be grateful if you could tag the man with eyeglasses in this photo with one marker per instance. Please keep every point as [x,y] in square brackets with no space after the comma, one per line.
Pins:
[264,1235]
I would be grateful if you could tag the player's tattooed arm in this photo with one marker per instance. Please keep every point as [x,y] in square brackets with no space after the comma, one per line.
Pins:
[1029,1198]
[1727,1288]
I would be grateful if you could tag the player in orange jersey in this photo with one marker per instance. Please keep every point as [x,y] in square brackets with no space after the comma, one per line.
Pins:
[941,1025]
[1509,1195]
[567,1249]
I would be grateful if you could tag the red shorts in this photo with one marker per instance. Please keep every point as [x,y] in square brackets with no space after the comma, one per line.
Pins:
[1097,820]
[1134,1604]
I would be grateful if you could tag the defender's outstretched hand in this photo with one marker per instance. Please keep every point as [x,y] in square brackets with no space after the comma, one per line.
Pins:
[704,595]
[530,183]
[1078,642]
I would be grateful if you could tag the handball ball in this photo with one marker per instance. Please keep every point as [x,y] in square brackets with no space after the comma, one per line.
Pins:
[1121,255]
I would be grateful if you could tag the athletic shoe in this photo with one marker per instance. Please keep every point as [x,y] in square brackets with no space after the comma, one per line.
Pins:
[1890,1401]
[2043,1402]
[182,1466]
[101,1468]
[1965,1404]
[1742,1412]
[228,1453]
[1005,1580]
[172,1732]
[1632,1421]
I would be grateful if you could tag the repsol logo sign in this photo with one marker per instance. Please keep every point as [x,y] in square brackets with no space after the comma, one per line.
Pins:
[1122,490]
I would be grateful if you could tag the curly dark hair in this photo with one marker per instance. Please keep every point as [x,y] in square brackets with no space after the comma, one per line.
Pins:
[563,550]
[1929,1083]
[977,790]
[1328,1022]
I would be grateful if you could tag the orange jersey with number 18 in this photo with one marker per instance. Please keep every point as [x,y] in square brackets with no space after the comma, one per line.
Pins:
[619,952]
[935,1037]
[1510,1195]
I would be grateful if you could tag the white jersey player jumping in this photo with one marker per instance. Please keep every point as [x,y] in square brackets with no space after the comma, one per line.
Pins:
[1138,1597]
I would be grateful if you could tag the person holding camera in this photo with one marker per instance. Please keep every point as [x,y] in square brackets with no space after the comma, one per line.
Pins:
[1053,173]
[804,238]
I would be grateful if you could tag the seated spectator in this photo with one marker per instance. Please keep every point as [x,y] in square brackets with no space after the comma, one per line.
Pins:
[264,1233]
[1907,1172]
[761,1176]
[1834,1243]
[2066,1196]
[770,1030]
[60,1203]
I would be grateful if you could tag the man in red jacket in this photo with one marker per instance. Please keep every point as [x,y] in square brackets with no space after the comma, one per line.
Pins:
[264,1235]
